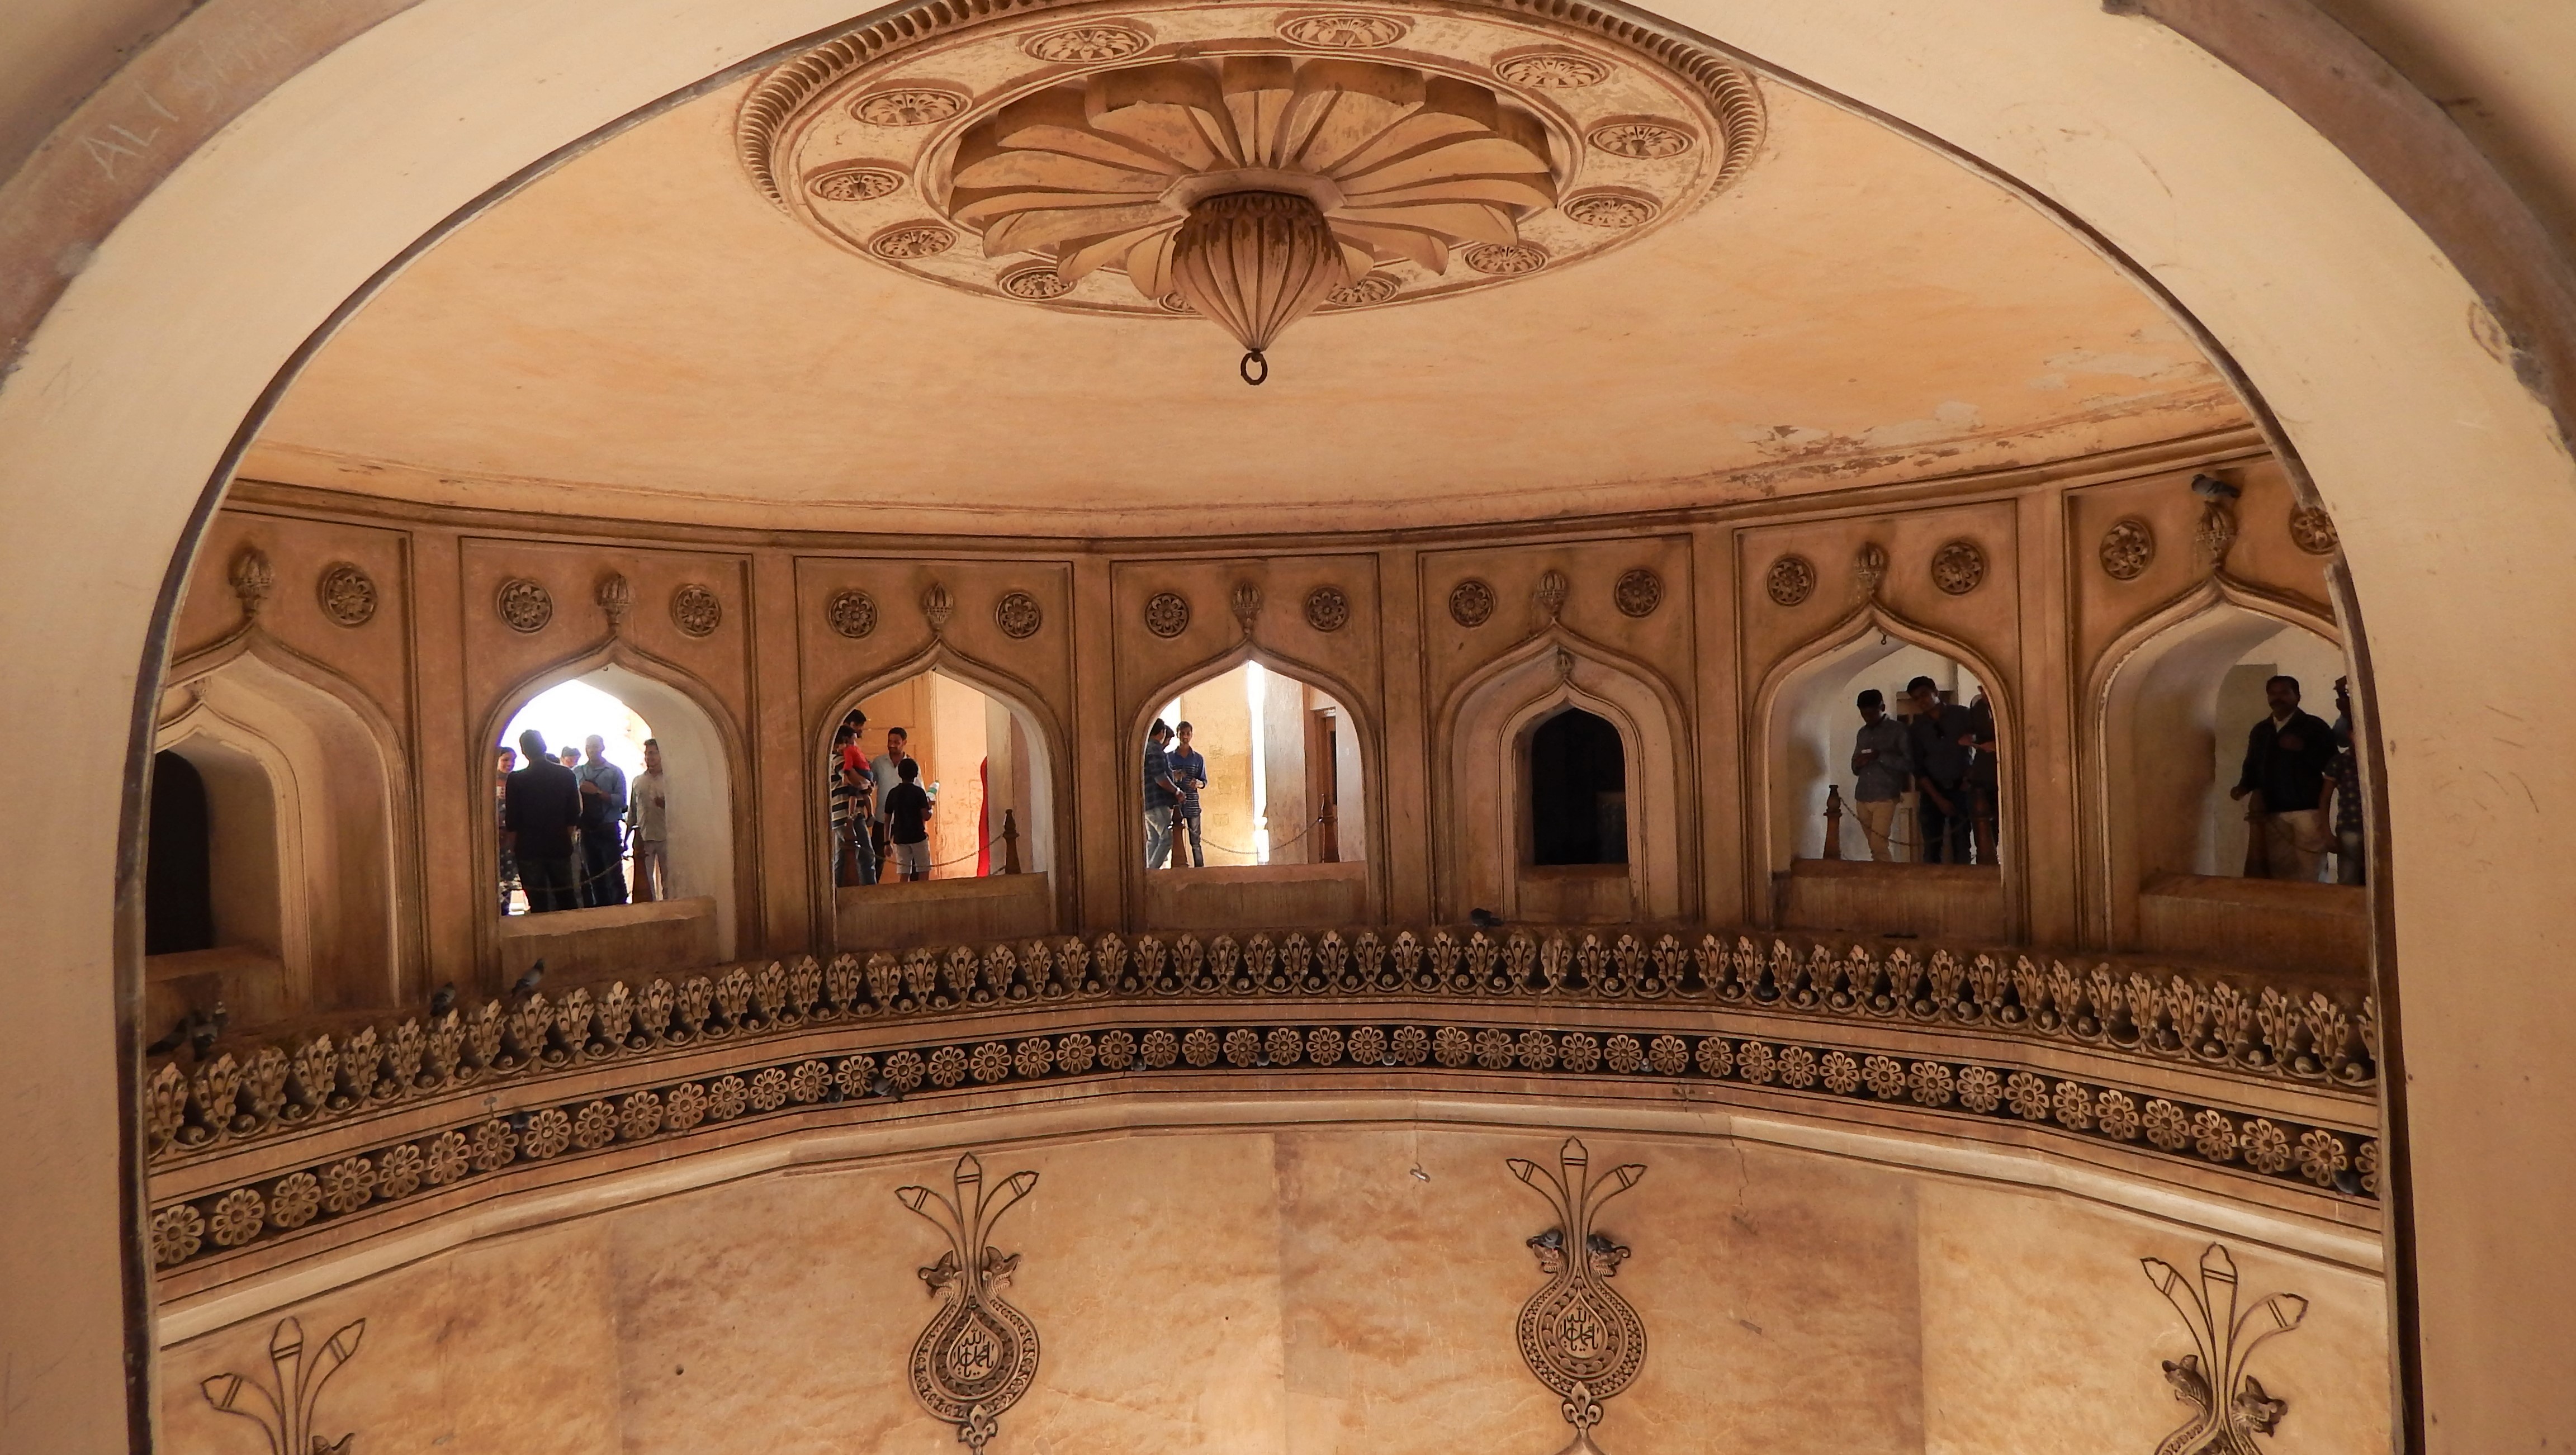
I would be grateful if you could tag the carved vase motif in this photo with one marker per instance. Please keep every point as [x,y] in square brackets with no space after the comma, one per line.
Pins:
[1577,1334]
[979,1354]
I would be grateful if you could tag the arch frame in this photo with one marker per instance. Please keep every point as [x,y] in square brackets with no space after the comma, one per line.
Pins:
[1662,788]
[1761,766]
[1131,772]
[405,927]
[2098,758]
[1017,696]
[739,924]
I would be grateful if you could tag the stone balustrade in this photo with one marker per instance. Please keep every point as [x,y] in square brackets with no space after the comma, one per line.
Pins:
[255,1148]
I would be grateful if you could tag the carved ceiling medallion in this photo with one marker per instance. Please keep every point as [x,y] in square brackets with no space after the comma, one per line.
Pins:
[1434,145]
[1327,609]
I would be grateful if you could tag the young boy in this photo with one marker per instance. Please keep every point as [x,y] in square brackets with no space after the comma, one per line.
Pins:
[907,813]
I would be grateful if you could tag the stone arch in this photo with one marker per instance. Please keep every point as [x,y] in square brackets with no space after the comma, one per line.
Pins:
[1368,742]
[1776,798]
[1481,767]
[704,752]
[2149,734]
[1047,840]
[313,774]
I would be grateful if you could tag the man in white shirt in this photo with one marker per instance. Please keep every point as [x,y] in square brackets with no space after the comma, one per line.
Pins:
[887,769]
[648,815]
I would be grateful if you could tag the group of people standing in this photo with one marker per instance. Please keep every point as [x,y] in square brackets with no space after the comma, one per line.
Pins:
[880,809]
[566,826]
[1942,753]
[1174,774]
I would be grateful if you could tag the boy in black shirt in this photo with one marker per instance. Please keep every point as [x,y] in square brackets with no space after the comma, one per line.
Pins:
[907,813]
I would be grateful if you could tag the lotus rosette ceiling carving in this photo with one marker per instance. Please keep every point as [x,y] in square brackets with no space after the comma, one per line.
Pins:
[1136,163]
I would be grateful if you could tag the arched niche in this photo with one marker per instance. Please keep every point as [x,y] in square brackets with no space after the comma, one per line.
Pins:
[1286,780]
[1011,716]
[1320,745]
[1485,785]
[1805,719]
[703,758]
[309,827]
[2171,702]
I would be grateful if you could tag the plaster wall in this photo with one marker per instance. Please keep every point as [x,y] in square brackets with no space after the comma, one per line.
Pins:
[1314,1288]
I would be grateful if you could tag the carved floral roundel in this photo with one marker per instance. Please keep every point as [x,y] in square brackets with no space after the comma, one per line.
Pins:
[1018,615]
[348,594]
[1450,148]
[1791,579]
[1167,614]
[696,611]
[524,605]
[1471,603]
[2314,531]
[1638,592]
[852,613]
[2127,548]
[1327,609]
[1959,567]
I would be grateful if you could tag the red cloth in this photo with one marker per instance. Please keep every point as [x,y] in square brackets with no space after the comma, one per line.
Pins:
[984,820]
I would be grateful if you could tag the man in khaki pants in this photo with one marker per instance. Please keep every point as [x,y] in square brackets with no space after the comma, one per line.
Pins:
[2287,757]
[1883,767]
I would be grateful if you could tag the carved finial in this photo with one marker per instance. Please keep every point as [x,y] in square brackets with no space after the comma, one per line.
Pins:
[1869,568]
[615,598]
[938,605]
[1246,601]
[2216,534]
[1552,591]
[252,576]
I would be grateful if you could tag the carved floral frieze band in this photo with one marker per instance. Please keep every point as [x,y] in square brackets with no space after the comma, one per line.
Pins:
[2232,1407]
[535,1038]
[1582,1340]
[978,1354]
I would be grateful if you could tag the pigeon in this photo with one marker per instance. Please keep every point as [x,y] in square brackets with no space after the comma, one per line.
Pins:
[881,1087]
[2210,487]
[1485,919]
[201,1036]
[442,1000]
[527,984]
[178,1037]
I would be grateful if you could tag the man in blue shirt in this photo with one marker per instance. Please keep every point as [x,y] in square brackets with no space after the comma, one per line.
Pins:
[1161,795]
[1189,770]
[603,812]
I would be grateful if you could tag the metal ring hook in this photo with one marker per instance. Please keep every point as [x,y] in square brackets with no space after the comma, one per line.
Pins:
[1245,368]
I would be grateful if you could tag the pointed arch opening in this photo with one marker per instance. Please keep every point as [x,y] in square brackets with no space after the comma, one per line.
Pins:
[572,904]
[2185,716]
[1919,836]
[297,787]
[1263,816]
[985,762]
